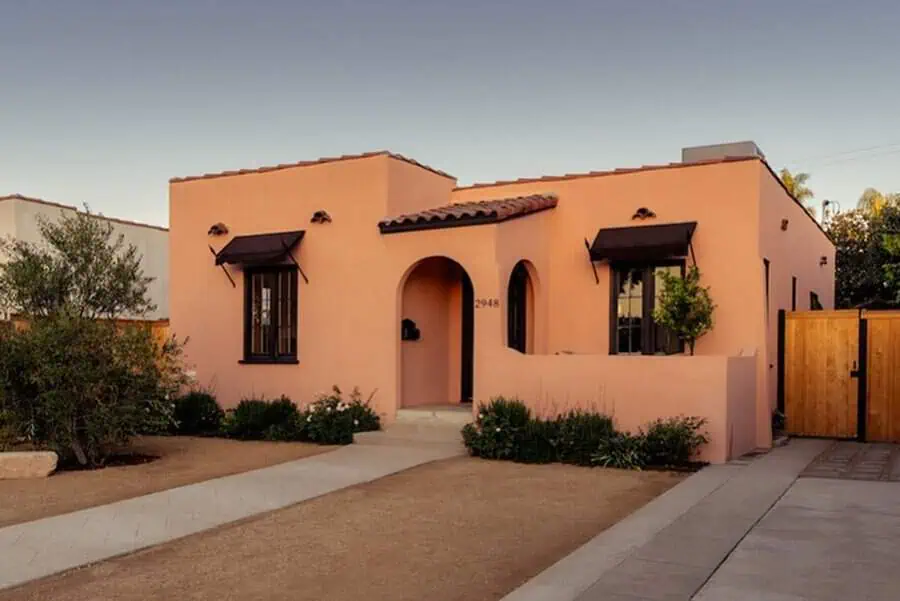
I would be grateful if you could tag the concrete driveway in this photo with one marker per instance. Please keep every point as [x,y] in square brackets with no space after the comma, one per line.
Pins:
[828,538]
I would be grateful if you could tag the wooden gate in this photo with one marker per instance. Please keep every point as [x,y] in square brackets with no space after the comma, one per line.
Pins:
[839,374]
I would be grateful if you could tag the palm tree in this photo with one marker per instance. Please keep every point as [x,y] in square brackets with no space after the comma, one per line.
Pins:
[796,187]
[873,201]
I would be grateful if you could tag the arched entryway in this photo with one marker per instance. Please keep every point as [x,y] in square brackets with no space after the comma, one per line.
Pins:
[437,334]
[520,309]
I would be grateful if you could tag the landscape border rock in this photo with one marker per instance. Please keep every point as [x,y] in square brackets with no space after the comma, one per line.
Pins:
[16,465]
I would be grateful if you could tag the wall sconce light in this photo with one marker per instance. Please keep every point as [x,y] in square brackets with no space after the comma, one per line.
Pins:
[823,260]
[643,213]
[217,229]
[321,216]
[784,225]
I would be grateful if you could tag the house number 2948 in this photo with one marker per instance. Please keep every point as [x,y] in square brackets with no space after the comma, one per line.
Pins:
[487,303]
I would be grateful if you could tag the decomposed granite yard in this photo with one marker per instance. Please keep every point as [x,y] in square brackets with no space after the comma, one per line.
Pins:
[459,529]
[181,460]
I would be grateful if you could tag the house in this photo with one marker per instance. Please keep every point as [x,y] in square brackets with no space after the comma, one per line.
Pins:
[376,271]
[19,219]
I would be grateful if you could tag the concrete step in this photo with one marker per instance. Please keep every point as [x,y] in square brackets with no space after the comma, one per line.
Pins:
[458,415]
[414,433]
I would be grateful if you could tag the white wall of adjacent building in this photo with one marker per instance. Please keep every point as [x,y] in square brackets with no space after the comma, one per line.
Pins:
[19,219]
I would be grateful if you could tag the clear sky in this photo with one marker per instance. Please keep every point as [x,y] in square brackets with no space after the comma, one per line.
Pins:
[103,101]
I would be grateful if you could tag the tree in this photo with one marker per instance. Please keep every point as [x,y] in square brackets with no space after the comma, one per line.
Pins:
[796,187]
[685,307]
[873,202]
[867,256]
[80,267]
[74,380]
[857,260]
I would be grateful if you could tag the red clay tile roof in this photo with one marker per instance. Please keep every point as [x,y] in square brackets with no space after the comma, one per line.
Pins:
[70,207]
[469,213]
[619,171]
[321,161]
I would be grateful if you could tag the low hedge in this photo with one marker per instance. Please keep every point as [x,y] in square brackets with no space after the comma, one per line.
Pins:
[506,429]
[329,420]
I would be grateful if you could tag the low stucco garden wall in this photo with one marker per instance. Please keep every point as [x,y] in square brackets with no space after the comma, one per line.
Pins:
[637,390]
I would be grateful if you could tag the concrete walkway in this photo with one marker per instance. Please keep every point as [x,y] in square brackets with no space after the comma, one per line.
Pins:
[668,549]
[825,540]
[44,547]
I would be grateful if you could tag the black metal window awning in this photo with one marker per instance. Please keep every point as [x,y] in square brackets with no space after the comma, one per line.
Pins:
[259,249]
[643,242]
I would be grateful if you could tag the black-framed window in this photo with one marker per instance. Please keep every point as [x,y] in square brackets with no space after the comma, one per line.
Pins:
[635,294]
[517,309]
[270,314]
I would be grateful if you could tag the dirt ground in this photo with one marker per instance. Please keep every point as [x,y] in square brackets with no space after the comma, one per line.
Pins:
[183,460]
[461,529]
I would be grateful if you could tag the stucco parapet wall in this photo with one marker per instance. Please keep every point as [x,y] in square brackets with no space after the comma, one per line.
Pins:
[27,464]
[635,390]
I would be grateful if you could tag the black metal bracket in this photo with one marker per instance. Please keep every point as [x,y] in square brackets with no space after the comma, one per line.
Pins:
[587,245]
[228,275]
[693,256]
[294,261]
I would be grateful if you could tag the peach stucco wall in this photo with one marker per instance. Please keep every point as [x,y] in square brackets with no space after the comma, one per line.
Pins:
[362,283]
[634,392]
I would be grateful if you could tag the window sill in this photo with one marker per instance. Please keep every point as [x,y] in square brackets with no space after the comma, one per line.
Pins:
[267,361]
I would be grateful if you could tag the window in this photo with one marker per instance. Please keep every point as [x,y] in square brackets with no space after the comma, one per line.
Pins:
[270,315]
[766,267]
[517,309]
[636,290]
[814,304]
[794,293]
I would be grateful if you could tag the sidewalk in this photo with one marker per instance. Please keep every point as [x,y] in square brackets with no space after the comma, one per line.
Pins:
[669,548]
[48,546]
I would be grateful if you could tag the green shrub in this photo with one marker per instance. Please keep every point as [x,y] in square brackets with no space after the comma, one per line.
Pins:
[9,434]
[259,419]
[505,429]
[364,417]
[621,450]
[540,442]
[579,435]
[329,420]
[499,430]
[83,387]
[674,441]
[197,412]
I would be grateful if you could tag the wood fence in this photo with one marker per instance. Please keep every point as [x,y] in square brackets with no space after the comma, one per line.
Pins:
[839,374]
[158,327]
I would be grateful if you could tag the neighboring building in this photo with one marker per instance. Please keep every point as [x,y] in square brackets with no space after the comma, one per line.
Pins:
[19,219]
[433,294]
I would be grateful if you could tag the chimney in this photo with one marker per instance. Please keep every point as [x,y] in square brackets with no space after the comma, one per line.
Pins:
[694,154]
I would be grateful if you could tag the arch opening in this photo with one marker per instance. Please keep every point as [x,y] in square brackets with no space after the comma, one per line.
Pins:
[437,362]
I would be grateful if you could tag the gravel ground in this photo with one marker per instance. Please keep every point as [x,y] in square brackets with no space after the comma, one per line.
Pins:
[182,460]
[460,529]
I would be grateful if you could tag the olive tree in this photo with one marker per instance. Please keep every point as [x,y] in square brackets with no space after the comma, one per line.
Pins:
[74,379]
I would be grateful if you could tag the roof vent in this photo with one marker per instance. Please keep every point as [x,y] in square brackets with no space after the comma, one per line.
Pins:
[712,152]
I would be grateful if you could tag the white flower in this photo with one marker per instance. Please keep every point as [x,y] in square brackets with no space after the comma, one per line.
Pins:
[328,409]
[308,418]
[481,416]
[356,422]
[498,429]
